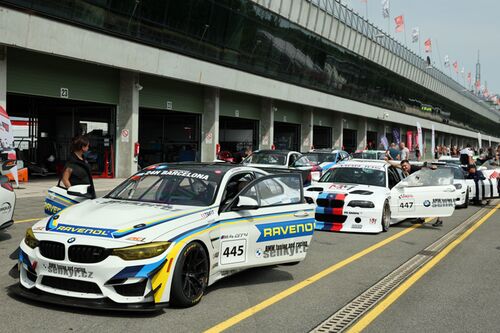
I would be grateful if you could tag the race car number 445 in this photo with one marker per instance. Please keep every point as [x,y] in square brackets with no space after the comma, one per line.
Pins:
[233,251]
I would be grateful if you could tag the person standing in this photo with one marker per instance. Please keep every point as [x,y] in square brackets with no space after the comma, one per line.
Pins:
[393,152]
[404,153]
[77,170]
[466,155]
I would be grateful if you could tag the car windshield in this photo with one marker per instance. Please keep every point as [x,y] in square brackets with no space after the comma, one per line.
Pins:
[428,177]
[192,187]
[365,176]
[318,158]
[266,157]
[458,173]
[491,164]
[369,155]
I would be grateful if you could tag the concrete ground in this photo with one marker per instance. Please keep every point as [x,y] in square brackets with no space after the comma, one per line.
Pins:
[445,300]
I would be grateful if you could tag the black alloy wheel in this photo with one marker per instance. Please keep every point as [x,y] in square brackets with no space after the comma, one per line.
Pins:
[190,276]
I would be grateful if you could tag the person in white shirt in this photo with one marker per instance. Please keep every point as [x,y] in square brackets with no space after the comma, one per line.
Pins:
[466,155]
[404,152]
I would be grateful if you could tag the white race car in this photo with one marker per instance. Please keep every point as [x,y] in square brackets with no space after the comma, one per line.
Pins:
[7,203]
[369,196]
[164,235]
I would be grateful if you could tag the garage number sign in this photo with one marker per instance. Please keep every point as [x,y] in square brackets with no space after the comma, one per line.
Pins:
[64,93]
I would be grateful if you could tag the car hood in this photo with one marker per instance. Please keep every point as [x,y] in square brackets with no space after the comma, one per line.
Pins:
[122,220]
[344,188]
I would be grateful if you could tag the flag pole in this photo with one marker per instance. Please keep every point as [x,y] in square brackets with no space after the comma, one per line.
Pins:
[439,53]
[366,9]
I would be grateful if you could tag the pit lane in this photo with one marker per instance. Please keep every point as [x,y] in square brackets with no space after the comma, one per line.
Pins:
[298,312]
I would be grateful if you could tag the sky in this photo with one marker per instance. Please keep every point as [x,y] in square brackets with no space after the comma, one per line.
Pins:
[457,28]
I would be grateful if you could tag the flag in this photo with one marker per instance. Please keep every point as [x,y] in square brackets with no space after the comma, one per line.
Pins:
[469,77]
[462,72]
[414,34]
[446,61]
[400,23]
[494,175]
[455,66]
[420,139]
[428,45]
[385,8]
[384,142]
[478,84]
[486,93]
[433,141]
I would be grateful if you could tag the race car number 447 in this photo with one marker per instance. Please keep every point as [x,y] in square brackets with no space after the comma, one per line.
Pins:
[233,251]
[406,206]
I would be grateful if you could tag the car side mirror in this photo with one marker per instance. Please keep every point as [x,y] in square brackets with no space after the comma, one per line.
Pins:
[80,191]
[246,203]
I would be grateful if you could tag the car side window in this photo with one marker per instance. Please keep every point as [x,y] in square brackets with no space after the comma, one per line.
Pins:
[393,177]
[276,190]
[235,184]
[293,158]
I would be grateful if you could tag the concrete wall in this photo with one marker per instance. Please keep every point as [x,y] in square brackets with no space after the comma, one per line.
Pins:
[39,34]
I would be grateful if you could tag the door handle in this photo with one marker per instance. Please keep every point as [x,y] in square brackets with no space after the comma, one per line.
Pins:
[301,214]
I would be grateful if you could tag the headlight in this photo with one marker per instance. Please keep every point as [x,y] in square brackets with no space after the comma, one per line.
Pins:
[138,252]
[361,204]
[30,238]
[458,186]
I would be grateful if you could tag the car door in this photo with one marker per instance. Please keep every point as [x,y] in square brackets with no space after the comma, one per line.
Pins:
[58,199]
[425,193]
[267,223]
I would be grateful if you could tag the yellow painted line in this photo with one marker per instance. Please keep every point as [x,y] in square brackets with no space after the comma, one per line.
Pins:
[307,282]
[398,292]
[29,220]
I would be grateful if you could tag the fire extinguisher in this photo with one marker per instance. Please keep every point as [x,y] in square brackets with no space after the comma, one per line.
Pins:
[137,148]
[217,149]
[273,147]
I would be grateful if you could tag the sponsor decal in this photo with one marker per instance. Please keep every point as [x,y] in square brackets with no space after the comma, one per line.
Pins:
[74,229]
[406,196]
[283,230]
[235,236]
[177,173]
[357,226]
[52,208]
[373,220]
[69,271]
[427,203]
[282,250]
[443,203]
[360,166]
[207,214]
[352,213]
[136,239]
[39,228]
[338,187]
[5,208]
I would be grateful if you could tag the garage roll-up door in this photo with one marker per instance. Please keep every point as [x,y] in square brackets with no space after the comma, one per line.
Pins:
[40,74]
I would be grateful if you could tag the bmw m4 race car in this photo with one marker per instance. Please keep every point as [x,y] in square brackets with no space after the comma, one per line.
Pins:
[369,196]
[164,235]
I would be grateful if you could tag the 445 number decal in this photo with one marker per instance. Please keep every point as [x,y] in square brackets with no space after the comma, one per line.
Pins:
[233,252]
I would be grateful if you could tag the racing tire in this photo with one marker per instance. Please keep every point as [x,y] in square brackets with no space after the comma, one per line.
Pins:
[386,217]
[190,276]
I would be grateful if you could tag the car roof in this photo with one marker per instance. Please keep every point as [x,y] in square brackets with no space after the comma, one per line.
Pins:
[358,162]
[197,165]
[283,151]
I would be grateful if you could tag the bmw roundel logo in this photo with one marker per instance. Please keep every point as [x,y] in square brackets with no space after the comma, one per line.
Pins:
[427,203]
[71,240]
